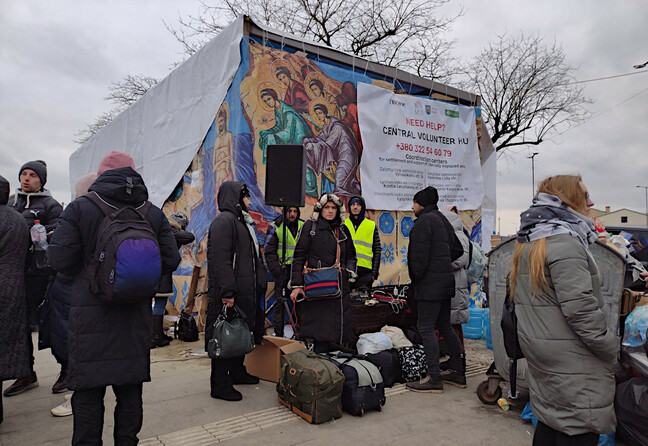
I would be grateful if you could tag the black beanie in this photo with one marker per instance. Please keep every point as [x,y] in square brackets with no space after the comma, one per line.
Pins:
[37,166]
[4,190]
[427,197]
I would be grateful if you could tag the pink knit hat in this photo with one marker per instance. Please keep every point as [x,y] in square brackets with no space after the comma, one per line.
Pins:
[83,183]
[115,160]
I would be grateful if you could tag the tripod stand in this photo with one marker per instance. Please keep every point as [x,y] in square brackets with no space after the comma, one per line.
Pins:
[280,295]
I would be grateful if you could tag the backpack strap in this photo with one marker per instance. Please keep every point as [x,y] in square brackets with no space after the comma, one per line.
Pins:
[108,208]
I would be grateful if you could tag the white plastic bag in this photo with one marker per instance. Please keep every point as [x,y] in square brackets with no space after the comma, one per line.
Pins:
[373,343]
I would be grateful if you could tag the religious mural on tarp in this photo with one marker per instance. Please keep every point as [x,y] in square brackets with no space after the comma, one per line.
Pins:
[278,97]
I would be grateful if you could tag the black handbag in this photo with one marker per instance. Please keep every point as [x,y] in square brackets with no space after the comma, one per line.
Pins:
[186,328]
[231,338]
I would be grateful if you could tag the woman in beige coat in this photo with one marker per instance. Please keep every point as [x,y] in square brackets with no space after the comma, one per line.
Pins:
[561,320]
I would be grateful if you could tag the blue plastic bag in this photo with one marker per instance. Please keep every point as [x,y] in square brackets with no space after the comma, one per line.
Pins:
[636,325]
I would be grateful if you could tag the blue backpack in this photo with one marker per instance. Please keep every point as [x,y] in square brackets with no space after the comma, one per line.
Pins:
[126,265]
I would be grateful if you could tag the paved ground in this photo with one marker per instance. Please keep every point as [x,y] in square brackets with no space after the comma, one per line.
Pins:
[178,410]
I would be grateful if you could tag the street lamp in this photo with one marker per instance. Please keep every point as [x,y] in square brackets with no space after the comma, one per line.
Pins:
[532,173]
[646,188]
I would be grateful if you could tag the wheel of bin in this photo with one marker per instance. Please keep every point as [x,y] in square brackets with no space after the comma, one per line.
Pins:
[361,413]
[485,396]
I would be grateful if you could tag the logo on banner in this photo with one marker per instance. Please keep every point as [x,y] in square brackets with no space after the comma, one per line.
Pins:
[452,113]
[428,109]
[418,108]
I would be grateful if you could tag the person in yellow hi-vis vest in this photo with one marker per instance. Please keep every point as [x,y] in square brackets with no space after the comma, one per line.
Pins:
[278,264]
[367,243]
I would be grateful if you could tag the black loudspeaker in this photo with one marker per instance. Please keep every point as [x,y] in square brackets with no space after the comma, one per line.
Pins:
[285,175]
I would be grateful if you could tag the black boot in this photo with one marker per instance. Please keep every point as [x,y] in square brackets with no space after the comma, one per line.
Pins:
[157,333]
[239,373]
[221,382]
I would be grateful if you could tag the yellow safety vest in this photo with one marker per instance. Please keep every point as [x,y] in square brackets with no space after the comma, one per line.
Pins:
[290,242]
[363,241]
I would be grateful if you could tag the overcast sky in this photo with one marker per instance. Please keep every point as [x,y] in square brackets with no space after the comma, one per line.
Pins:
[58,58]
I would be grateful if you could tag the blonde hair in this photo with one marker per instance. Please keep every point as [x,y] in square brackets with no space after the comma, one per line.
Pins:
[568,189]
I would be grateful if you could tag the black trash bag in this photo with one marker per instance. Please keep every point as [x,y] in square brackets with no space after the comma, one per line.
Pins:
[631,407]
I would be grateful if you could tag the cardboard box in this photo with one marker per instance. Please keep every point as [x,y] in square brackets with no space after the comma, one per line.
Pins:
[265,360]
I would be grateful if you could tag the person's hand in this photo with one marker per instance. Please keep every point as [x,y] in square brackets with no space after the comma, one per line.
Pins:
[644,276]
[295,293]
[229,302]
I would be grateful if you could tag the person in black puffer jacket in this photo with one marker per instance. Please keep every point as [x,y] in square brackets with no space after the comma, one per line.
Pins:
[325,321]
[432,248]
[107,344]
[237,276]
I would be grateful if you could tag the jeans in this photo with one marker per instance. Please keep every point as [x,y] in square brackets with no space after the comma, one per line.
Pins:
[546,436]
[159,305]
[432,316]
[88,409]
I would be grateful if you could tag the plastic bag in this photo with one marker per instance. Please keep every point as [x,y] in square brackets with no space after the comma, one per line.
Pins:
[397,336]
[370,343]
[636,325]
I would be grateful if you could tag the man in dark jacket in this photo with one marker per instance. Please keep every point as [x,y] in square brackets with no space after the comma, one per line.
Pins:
[34,202]
[178,222]
[108,343]
[237,277]
[279,263]
[366,241]
[432,249]
[14,242]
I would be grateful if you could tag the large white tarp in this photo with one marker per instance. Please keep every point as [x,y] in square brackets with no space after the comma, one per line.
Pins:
[164,129]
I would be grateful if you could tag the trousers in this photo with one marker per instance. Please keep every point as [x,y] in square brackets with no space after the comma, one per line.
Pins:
[433,316]
[88,409]
[546,436]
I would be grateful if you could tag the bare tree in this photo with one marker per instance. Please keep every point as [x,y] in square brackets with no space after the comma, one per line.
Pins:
[408,34]
[121,94]
[527,90]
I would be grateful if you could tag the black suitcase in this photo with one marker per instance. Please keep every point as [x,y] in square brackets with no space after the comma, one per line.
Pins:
[389,365]
[363,385]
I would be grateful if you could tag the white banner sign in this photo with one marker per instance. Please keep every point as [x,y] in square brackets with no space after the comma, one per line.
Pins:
[411,143]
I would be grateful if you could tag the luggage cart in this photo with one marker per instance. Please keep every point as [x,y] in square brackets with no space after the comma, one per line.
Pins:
[612,270]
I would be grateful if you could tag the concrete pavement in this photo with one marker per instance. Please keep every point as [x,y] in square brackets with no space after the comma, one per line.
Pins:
[178,410]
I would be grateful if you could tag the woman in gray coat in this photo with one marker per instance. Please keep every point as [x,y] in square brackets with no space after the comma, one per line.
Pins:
[459,312]
[562,326]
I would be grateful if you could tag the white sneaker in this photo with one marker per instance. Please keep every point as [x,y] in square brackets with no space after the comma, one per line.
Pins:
[65,409]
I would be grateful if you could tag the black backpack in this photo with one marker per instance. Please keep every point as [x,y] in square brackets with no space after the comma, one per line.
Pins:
[126,264]
[186,328]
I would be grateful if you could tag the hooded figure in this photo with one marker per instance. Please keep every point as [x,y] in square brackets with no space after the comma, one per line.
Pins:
[237,276]
[14,242]
[325,321]
[366,239]
[107,344]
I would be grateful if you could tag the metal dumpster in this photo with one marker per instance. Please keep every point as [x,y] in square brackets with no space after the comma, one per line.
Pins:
[612,270]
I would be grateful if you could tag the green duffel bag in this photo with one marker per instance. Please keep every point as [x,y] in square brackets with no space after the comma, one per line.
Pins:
[310,386]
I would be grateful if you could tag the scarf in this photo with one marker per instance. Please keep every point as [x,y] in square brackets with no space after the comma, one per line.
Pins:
[548,216]
[249,222]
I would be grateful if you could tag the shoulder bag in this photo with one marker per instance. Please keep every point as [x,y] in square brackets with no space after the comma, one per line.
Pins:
[324,283]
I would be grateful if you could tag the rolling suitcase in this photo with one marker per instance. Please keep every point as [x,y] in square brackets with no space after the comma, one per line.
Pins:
[363,384]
